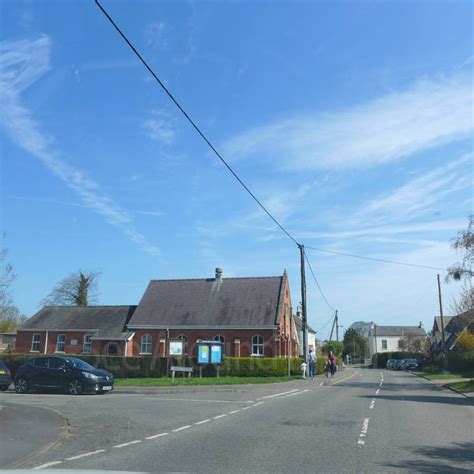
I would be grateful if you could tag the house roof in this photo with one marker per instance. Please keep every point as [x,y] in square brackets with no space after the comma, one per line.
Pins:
[299,324]
[231,302]
[103,321]
[399,331]
[459,322]
[437,322]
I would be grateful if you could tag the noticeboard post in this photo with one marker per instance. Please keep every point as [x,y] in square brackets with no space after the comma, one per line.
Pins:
[210,352]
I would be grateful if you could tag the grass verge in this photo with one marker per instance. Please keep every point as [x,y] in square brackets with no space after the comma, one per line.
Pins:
[444,375]
[467,386]
[166,381]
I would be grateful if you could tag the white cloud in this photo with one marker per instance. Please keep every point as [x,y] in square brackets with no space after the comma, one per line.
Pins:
[154,35]
[428,114]
[160,127]
[22,63]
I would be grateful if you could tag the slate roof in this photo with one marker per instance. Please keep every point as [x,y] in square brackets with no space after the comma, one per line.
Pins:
[399,331]
[105,321]
[299,325]
[232,302]
[459,322]
[437,322]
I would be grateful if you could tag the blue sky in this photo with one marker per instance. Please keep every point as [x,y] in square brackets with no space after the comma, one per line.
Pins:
[351,121]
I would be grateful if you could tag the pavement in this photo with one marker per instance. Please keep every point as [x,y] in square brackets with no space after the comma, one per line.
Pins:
[360,421]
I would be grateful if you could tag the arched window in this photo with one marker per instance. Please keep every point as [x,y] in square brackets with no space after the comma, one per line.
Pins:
[257,345]
[145,347]
[184,338]
[219,338]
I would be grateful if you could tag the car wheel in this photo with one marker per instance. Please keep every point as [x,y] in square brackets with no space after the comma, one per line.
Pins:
[74,387]
[21,385]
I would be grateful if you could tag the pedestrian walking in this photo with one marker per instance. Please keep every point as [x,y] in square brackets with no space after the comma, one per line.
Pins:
[332,363]
[303,367]
[312,364]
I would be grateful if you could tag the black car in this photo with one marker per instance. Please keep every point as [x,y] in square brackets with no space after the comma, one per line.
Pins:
[409,364]
[62,373]
[397,365]
[5,376]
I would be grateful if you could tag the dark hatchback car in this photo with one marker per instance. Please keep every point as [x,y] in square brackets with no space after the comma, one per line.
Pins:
[68,374]
[409,364]
[5,376]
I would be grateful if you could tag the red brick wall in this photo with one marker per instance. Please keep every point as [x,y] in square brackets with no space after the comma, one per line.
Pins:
[245,336]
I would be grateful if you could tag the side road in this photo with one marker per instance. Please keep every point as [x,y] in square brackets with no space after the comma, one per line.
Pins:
[25,430]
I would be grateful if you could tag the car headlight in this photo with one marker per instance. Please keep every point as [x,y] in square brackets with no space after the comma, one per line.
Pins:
[88,375]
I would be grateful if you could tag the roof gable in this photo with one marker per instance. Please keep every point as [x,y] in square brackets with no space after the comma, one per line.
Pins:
[231,302]
[399,331]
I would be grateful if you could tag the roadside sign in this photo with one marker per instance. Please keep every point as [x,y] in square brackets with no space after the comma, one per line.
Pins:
[216,354]
[203,354]
[176,348]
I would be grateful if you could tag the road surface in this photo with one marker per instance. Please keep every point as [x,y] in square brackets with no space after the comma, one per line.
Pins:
[360,421]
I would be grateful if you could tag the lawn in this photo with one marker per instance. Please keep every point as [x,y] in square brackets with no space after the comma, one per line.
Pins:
[467,386]
[166,381]
[445,375]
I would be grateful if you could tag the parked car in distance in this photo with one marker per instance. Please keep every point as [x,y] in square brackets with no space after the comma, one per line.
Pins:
[5,376]
[74,376]
[390,364]
[409,364]
[397,365]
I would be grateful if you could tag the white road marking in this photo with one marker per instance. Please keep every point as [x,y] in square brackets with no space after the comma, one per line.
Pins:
[372,404]
[48,464]
[363,432]
[219,416]
[79,456]
[181,429]
[195,400]
[127,444]
[278,394]
[377,392]
[202,422]
[295,393]
[157,436]
[322,383]
[233,411]
[244,408]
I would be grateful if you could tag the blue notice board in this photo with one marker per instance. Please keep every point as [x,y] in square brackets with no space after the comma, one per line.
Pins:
[203,354]
[216,354]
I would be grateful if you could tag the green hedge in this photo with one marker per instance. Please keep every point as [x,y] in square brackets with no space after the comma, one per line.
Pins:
[461,361]
[129,367]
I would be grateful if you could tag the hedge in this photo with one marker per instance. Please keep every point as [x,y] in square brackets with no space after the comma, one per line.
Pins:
[129,367]
[461,361]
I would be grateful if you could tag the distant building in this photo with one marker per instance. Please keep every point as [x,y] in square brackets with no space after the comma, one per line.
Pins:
[311,334]
[396,338]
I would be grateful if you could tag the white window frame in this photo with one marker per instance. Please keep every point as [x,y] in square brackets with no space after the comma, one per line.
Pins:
[219,338]
[258,344]
[145,341]
[384,342]
[87,343]
[34,342]
[59,342]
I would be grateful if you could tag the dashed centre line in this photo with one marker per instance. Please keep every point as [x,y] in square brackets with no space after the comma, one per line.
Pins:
[79,456]
[363,432]
[233,411]
[181,429]
[278,394]
[157,436]
[48,464]
[203,421]
[127,444]
[219,416]
[372,404]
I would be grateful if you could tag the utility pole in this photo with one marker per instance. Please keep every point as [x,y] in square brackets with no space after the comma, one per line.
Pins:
[332,327]
[442,319]
[337,327]
[303,304]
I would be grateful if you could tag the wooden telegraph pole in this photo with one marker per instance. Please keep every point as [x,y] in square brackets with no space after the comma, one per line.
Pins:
[441,317]
[303,304]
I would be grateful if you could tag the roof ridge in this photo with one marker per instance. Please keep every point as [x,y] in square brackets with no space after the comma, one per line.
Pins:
[211,278]
[90,306]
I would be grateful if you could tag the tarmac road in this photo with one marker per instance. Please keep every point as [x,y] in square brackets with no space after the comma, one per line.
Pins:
[360,421]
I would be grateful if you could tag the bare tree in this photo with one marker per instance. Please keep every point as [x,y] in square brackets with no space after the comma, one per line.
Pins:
[10,316]
[464,243]
[77,289]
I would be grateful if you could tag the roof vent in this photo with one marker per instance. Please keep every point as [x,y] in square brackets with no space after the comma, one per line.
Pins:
[219,273]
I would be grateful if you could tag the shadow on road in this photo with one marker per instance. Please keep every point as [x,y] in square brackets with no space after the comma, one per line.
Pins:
[451,400]
[456,458]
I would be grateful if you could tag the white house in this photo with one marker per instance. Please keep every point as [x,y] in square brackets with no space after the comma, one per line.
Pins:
[395,338]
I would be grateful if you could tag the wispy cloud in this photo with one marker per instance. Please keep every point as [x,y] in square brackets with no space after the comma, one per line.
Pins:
[428,114]
[160,127]
[22,63]
[155,35]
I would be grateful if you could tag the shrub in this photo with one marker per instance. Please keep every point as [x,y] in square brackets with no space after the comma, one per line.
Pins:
[461,361]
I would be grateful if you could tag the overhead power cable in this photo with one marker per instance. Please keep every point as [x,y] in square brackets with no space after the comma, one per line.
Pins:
[188,118]
[317,283]
[325,324]
[374,259]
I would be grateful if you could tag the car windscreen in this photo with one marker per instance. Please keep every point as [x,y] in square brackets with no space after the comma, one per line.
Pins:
[79,364]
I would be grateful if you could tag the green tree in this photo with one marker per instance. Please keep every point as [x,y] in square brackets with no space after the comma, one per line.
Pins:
[77,289]
[335,346]
[361,327]
[355,345]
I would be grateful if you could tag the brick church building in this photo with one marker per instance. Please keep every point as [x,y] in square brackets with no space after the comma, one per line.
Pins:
[251,316]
